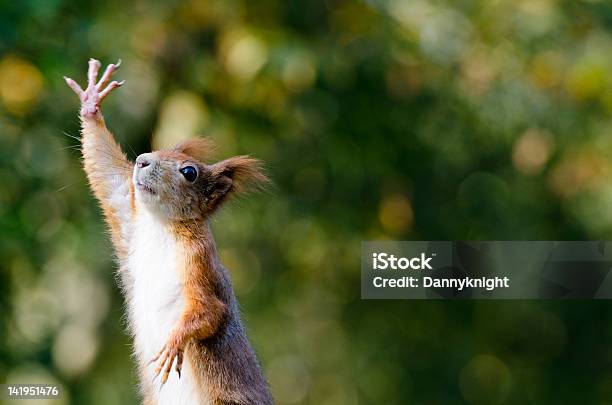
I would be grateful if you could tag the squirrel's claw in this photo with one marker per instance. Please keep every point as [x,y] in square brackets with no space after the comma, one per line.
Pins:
[168,356]
[154,359]
[113,85]
[108,73]
[168,369]
[161,365]
[179,363]
[75,87]
[92,72]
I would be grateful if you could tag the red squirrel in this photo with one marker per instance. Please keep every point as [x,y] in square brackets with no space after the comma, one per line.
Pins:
[181,307]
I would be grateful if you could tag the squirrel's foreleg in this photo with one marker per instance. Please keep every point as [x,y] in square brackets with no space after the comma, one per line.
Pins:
[108,169]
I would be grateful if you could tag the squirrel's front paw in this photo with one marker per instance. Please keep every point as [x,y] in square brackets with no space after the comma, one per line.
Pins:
[173,349]
[92,96]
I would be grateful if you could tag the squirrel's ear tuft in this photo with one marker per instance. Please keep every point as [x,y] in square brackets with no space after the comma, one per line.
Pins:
[198,148]
[240,174]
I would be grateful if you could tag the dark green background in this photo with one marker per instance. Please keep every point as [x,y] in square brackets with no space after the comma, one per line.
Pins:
[432,120]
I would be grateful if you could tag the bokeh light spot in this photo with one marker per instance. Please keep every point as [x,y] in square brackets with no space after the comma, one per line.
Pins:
[182,115]
[74,349]
[299,72]
[244,55]
[20,84]
[532,151]
[395,214]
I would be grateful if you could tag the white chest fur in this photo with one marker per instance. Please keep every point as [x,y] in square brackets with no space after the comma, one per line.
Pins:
[157,304]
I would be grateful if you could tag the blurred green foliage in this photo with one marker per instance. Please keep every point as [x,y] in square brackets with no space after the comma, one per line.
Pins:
[379,119]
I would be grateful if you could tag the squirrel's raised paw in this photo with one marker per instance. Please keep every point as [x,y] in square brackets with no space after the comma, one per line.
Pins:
[92,96]
[171,350]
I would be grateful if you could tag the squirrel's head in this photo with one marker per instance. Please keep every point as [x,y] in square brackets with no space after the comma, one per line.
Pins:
[178,185]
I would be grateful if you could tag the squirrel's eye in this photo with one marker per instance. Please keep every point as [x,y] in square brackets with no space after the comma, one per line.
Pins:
[190,173]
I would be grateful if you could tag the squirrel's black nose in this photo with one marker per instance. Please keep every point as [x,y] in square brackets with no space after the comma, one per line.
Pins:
[142,161]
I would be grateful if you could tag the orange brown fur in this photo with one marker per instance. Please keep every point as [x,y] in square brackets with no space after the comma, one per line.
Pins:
[199,148]
[219,350]
[107,169]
